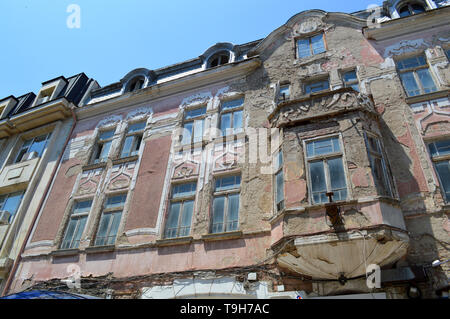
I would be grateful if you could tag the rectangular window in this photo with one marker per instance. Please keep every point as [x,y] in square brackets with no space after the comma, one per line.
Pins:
[284,93]
[75,226]
[351,80]
[181,210]
[32,148]
[11,203]
[133,139]
[378,165]
[194,124]
[279,181]
[225,212]
[317,86]
[447,52]
[103,146]
[110,220]
[231,114]
[440,155]
[326,170]
[416,76]
[310,46]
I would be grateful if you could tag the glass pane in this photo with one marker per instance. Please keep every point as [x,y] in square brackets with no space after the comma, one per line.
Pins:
[195,113]
[187,133]
[355,87]
[443,169]
[232,104]
[116,201]
[136,127]
[350,76]
[237,122]
[278,160]
[106,135]
[233,212]
[172,220]
[318,184]
[440,148]
[69,234]
[114,227]
[337,174]
[373,145]
[404,12]
[126,151]
[198,131]
[218,215]
[409,82]
[102,230]
[79,232]
[317,86]
[183,190]
[280,186]
[317,44]
[426,80]
[379,176]
[12,203]
[82,207]
[417,8]
[323,147]
[105,151]
[38,145]
[284,90]
[411,62]
[303,48]
[186,219]
[225,123]
[228,182]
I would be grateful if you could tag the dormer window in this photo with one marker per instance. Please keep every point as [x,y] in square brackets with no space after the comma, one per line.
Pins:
[410,9]
[219,59]
[136,84]
[44,96]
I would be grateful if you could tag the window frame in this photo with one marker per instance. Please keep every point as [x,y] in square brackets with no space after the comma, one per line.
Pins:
[309,38]
[279,168]
[6,197]
[99,144]
[281,96]
[78,216]
[380,155]
[201,118]
[231,111]
[135,134]
[414,71]
[317,81]
[352,82]
[182,199]
[226,194]
[410,9]
[110,210]
[438,159]
[32,139]
[340,154]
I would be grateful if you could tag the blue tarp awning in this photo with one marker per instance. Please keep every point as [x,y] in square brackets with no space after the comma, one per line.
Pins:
[46,294]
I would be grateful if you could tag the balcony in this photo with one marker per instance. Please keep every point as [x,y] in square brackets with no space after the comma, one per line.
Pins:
[320,104]
[16,175]
[339,240]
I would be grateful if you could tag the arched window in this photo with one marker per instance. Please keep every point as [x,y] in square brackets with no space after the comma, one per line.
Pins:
[219,59]
[410,9]
[136,84]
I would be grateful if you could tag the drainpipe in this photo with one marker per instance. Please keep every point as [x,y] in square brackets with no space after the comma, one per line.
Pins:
[41,203]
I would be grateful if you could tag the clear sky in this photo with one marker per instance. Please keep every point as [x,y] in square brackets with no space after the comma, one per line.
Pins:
[117,36]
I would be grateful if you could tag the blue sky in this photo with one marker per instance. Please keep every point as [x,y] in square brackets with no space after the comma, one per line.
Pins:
[117,36]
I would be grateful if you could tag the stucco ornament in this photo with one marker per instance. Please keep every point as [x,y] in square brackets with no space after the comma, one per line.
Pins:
[309,25]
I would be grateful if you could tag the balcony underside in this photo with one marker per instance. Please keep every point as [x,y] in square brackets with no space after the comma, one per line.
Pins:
[329,256]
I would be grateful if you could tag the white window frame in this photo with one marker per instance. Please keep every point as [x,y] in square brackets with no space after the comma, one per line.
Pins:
[182,200]
[414,70]
[353,82]
[110,210]
[5,197]
[32,139]
[311,83]
[231,111]
[327,156]
[99,144]
[193,120]
[311,50]
[225,193]
[380,155]
[78,216]
[137,138]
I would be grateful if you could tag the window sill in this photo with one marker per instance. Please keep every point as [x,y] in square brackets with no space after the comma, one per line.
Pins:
[174,241]
[125,159]
[65,252]
[427,96]
[222,236]
[89,167]
[100,249]
[311,59]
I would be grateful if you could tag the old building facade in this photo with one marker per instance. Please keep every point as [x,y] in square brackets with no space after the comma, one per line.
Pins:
[278,168]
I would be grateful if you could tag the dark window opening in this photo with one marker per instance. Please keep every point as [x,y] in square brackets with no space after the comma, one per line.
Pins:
[136,84]
[219,59]
[410,9]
